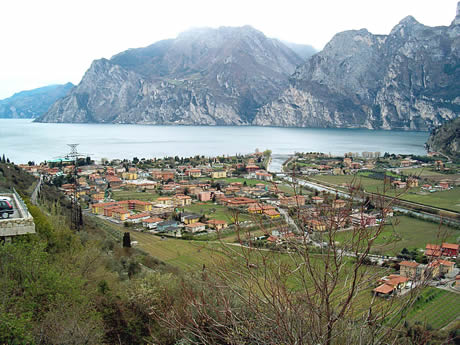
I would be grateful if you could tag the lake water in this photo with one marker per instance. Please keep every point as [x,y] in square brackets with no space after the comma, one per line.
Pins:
[24,140]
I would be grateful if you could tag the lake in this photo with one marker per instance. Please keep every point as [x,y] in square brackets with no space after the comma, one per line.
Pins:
[24,140]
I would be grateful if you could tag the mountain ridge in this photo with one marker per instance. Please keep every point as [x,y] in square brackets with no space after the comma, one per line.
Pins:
[206,76]
[406,80]
[32,103]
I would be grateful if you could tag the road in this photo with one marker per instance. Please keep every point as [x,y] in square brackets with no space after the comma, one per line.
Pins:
[34,196]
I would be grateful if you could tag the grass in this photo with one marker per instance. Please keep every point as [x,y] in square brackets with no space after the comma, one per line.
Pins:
[422,172]
[407,232]
[435,307]
[449,199]
[134,195]
[214,211]
[179,253]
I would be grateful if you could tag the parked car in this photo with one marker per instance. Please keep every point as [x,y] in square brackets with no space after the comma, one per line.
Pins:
[5,198]
[5,209]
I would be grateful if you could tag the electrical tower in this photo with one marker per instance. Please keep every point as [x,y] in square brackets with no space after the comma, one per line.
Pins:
[76,219]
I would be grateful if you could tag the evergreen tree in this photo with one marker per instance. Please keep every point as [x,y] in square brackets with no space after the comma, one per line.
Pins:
[126,240]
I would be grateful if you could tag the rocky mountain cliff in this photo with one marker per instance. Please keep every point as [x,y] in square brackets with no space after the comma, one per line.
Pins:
[32,103]
[446,139]
[409,79]
[204,76]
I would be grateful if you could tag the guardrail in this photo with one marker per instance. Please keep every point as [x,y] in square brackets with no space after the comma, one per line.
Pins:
[22,207]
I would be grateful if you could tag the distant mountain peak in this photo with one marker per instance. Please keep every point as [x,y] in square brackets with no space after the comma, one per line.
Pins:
[32,103]
[456,20]
[204,76]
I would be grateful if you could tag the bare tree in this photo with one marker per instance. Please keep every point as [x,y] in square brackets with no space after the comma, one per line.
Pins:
[309,288]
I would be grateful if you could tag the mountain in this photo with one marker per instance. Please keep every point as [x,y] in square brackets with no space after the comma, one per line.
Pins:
[204,76]
[446,139]
[305,51]
[32,103]
[409,79]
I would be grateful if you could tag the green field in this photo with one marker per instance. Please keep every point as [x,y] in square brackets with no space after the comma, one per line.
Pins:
[214,211]
[407,232]
[422,172]
[179,253]
[435,307]
[449,199]
[133,195]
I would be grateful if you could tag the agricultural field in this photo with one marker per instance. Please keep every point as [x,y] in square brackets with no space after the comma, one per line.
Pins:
[407,232]
[435,307]
[134,195]
[215,211]
[421,172]
[179,253]
[449,199]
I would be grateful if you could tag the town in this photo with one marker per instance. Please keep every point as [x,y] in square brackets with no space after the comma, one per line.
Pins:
[316,201]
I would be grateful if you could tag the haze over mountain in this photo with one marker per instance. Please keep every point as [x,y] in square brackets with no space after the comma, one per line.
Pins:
[408,80]
[204,76]
[32,103]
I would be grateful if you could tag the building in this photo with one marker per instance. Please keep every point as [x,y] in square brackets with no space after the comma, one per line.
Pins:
[446,267]
[129,175]
[114,181]
[119,213]
[219,174]
[272,214]
[410,269]
[433,250]
[189,218]
[444,185]
[151,223]
[293,201]
[167,225]
[449,249]
[258,208]
[412,182]
[138,218]
[315,225]
[264,176]
[204,196]
[399,184]
[195,227]
[252,168]
[317,200]
[339,203]
[164,200]
[217,224]
[238,201]
[363,219]
[193,172]
[182,200]
[391,284]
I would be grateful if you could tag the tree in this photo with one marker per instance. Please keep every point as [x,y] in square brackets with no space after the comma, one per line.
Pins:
[308,294]
[126,240]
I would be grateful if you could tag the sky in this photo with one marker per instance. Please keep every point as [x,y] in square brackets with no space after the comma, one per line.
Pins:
[47,42]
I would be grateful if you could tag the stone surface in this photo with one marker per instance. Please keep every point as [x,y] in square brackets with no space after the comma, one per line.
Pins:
[204,76]
[32,103]
[409,79]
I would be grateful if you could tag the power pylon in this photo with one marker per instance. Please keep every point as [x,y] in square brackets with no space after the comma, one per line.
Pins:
[76,219]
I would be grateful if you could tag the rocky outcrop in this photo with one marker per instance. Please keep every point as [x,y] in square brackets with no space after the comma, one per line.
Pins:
[32,103]
[407,80]
[204,76]
[446,139]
